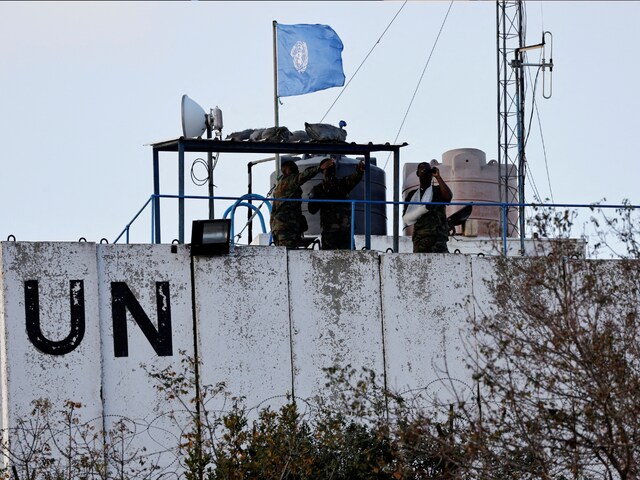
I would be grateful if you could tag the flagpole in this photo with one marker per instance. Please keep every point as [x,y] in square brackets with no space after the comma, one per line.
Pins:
[275,91]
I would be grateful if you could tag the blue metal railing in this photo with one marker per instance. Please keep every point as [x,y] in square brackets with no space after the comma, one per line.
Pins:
[135,217]
[241,203]
[244,202]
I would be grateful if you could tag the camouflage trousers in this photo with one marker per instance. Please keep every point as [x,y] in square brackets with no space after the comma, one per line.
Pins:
[430,244]
[339,240]
[285,238]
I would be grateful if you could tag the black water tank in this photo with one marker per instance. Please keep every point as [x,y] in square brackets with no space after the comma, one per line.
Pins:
[346,166]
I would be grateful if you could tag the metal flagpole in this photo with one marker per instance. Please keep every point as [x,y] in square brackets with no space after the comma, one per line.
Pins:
[275,92]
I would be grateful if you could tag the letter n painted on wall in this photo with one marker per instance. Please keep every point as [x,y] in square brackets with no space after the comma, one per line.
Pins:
[123,300]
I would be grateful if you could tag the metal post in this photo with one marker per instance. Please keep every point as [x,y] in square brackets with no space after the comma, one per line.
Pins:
[156,193]
[210,171]
[521,156]
[276,112]
[502,108]
[180,191]
[353,224]
[249,192]
[396,199]
[503,210]
[367,197]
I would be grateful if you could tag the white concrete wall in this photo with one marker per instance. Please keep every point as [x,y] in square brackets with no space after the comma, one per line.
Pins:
[28,373]
[4,390]
[425,307]
[267,322]
[129,394]
[336,314]
[242,306]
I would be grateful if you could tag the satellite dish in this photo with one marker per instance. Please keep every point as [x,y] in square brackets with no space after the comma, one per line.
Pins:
[194,118]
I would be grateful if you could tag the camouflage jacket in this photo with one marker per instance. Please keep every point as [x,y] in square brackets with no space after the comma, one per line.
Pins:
[432,223]
[334,216]
[285,216]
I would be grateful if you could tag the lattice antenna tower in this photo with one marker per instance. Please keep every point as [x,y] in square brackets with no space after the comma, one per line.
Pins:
[511,101]
[510,38]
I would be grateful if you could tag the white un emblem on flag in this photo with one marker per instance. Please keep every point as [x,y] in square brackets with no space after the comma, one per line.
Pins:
[300,56]
[308,59]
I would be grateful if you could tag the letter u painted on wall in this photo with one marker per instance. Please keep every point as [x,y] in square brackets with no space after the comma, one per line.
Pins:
[122,300]
[32,316]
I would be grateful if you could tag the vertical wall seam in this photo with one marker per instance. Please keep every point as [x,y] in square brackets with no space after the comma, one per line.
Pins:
[384,340]
[475,340]
[103,353]
[473,291]
[472,300]
[4,386]
[196,354]
[287,279]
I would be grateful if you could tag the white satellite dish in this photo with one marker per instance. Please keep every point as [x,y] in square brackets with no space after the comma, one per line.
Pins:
[194,118]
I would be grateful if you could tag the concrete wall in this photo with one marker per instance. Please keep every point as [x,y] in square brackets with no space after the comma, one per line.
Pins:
[263,320]
[50,298]
[426,303]
[244,332]
[335,314]
[144,288]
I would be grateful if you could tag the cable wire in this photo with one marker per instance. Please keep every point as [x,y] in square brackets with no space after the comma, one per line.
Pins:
[544,151]
[194,178]
[365,59]
[435,43]
[201,161]
[533,103]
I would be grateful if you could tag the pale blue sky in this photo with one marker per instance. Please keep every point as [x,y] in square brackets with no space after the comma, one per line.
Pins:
[85,85]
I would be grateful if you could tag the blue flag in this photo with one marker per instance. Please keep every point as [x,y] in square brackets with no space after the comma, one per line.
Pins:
[309,59]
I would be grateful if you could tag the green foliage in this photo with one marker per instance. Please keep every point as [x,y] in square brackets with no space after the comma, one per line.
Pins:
[357,430]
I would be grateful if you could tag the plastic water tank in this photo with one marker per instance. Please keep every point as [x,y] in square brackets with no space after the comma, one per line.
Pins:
[346,166]
[471,179]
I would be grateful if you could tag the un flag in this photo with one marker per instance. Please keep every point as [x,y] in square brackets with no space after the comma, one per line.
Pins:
[309,59]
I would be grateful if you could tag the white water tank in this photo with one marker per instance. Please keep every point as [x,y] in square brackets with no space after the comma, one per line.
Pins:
[471,179]
[346,166]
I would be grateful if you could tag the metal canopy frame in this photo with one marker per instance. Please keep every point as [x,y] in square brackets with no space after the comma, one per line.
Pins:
[182,145]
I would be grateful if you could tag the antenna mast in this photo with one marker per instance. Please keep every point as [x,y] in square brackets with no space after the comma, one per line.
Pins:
[511,98]
[510,38]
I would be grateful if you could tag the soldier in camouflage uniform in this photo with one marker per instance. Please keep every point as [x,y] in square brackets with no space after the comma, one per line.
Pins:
[286,217]
[335,218]
[430,228]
